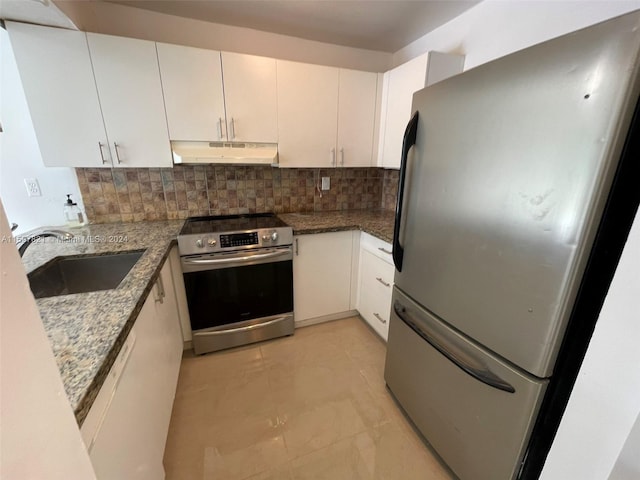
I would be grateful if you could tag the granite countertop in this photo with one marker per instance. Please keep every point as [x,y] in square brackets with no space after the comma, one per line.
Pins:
[87,330]
[378,223]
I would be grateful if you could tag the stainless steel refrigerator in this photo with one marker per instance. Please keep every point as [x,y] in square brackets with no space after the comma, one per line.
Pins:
[518,185]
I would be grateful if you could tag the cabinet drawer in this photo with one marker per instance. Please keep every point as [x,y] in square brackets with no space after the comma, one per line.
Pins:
[376,282]
[379,248]
[375,310]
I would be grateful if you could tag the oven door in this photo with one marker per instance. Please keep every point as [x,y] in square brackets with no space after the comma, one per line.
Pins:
[239,293]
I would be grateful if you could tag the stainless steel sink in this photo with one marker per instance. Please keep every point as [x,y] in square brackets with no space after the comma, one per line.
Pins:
[82,273]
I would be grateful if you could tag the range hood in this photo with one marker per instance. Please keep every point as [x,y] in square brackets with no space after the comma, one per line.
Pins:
[236,153]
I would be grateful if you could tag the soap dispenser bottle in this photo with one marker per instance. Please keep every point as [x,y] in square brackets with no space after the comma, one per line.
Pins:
[72,213]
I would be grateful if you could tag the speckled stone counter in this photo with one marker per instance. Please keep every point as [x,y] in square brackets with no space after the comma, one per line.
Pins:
[378,223]
[87,330]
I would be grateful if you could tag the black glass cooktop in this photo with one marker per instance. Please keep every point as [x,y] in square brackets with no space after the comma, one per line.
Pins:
[231,223]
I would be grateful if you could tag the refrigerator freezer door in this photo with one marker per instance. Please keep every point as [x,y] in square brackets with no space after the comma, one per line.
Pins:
[479,429]
[506,183]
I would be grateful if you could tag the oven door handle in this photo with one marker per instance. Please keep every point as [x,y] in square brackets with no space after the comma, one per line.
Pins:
[246,328]
[245,258]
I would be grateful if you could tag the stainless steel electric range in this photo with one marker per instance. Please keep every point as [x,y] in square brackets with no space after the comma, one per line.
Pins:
[238,275]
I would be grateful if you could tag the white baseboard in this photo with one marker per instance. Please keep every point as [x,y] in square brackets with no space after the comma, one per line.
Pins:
[326,318]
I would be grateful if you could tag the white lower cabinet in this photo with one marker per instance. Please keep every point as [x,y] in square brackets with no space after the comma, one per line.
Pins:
[375,283]
[322,274]
[126,428]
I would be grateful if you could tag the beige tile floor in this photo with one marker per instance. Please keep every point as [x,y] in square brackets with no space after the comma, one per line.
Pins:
[310,406]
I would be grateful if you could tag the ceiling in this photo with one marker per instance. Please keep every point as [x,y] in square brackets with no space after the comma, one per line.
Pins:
[382,25]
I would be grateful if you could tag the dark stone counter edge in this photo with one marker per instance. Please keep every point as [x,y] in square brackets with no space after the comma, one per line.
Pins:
[342,228]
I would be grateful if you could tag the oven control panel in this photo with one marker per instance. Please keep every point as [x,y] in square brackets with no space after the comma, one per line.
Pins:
[197,244]
[239,239]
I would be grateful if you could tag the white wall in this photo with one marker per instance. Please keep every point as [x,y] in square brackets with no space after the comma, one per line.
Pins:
[39,436]
[20,157]
[113,19]
[605,400]
[628,465]
[493,29]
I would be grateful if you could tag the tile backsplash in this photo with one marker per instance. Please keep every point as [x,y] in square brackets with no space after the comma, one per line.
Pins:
[136,194]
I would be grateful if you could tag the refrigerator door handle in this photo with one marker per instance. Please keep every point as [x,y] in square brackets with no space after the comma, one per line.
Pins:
[408,141]
[452,350]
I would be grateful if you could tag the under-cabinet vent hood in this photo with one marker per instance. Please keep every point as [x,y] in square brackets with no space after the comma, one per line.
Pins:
[236,153]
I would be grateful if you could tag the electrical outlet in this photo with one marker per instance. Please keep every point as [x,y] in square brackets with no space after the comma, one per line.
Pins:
[33,188]
[326,183]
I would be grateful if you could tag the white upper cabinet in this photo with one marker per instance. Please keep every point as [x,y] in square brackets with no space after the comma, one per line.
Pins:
[211,96]
[400,85]
[95,100]
[130,93]
[250,98]
[402,82]
[356,118]
[193,92]
[307,114]
[326,116]
[442,65]
[55,69]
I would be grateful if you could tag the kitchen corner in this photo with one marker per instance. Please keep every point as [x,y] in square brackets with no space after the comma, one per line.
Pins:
[87,330]
[378,223]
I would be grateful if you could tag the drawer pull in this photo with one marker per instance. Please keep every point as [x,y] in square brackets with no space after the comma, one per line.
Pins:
[383,282]
[379,318]
[454,350]
[384,250]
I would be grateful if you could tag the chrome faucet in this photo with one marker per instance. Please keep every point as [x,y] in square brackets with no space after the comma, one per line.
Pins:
[59,234]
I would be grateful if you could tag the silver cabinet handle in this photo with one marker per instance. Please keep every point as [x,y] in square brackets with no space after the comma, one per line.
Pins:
[332,157]
[384,250]
[297,248]
[161,287]
[452,350]
[342,157]
[159,292]
[379,318]
[115,147]
[100,145]
[383,282]
[232,129]
[219,128]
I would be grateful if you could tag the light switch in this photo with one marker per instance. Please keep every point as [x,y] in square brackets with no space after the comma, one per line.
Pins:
[326,183]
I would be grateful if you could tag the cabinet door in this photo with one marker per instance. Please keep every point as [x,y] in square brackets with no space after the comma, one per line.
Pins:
[321,274]
[404,80]
[167,311]
[250,92]
[128,81]
[307,114]
[168,361]
[55,69]
[443,65]
[193,94]
[356,118]
[129,443]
